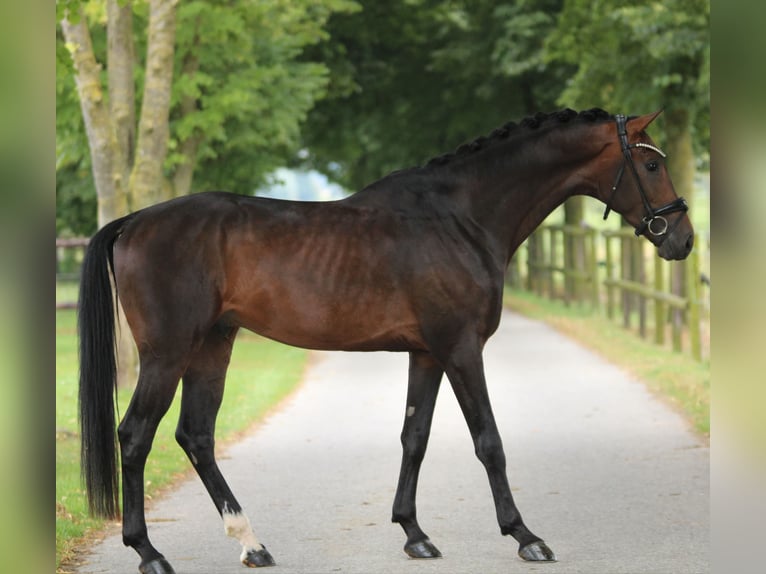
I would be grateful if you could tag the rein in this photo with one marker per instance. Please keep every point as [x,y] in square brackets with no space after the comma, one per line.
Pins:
[654,220]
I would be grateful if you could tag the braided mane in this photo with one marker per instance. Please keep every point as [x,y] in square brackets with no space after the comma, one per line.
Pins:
[506,130]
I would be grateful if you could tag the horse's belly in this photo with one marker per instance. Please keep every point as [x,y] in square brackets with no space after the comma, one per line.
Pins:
[340,324]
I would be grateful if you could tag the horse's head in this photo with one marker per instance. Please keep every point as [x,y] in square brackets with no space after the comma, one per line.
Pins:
[641,190]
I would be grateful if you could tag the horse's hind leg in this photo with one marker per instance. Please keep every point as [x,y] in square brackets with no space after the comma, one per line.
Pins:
[465,371]
[203,384]
[157,383]
[424,379]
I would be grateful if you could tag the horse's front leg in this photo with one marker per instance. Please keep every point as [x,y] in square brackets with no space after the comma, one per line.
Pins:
[424,379]
[465,370]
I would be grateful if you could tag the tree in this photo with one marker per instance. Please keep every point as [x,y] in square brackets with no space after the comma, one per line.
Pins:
[638,56]
[108,122]
[204,84]
[106,153]
[415,78]
[199,94]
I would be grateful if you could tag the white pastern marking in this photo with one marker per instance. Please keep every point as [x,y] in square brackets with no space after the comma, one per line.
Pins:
[237,525]
[410,411]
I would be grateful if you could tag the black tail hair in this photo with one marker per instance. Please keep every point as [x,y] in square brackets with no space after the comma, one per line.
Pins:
[98,373]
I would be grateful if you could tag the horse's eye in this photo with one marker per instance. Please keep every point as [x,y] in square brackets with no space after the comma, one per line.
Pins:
[652,166]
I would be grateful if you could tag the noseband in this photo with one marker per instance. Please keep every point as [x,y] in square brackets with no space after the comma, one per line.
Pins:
[654,220]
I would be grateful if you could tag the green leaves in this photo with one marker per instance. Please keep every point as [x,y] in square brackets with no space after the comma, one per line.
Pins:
[520,43]
[242,86]
[250,88]
[368,87]
[669,29]
[639,54]
[412,79]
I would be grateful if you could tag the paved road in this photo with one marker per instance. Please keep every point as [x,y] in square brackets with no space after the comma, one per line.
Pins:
[606,473]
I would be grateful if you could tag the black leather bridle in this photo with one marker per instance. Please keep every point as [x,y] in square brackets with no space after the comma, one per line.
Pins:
[654,220]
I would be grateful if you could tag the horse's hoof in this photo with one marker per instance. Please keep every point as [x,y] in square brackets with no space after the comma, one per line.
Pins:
[537,551]
[422,549]
[257,558]
[156,566]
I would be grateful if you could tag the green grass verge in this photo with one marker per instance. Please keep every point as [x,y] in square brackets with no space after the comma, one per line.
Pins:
[682,381]
[261,373]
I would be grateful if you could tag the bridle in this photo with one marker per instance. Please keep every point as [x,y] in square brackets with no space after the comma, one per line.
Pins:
[654,220]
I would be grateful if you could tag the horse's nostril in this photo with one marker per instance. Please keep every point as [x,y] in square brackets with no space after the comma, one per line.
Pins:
[690,242]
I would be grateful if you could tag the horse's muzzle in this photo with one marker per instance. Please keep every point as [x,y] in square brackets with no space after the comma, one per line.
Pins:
[677,246]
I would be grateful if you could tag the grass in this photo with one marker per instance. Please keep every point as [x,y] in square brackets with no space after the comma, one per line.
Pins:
[676,377]
[261,373]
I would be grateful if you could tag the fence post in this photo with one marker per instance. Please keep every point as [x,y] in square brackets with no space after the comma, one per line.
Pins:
[609,277]
[531,259]
[593,267]
[639,275]
[626,273]
[550,262]
[676,318]
[581,265]
[540,258]
[537,261]
[659,305]
[567,264]
[692,294]
[513,272]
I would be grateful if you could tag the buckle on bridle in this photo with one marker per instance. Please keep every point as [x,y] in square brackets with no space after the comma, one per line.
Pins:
[649,223]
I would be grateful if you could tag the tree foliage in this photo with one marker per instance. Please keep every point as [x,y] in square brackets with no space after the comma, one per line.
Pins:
[240,89]
[250,86]
[637,56]
[368,87]
[415,78]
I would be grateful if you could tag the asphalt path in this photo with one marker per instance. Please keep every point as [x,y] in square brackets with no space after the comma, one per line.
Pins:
[608,474]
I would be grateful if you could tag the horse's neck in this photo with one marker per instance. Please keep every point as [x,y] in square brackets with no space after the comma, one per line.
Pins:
[511,196]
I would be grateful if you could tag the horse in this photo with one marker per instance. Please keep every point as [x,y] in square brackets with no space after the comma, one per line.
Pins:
[414,262]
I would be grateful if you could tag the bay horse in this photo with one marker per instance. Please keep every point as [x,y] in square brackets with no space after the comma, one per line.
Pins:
[414,263]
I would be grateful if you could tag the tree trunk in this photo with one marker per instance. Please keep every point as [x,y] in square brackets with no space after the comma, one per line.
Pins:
[101,137]
[125,179]
[107,158]
[147,183]
[122,106]
[574,253]
[626,273]
[678,122]
[182,179]
[122,97]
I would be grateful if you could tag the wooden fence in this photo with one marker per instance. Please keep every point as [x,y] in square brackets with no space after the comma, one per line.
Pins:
[69,254]
[620,274]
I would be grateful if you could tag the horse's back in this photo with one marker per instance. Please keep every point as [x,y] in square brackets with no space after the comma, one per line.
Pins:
[354,274]
[319,275]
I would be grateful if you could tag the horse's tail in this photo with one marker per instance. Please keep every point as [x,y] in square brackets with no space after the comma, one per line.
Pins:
[98,373]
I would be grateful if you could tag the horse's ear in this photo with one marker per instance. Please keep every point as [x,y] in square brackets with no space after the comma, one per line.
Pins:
[640,123]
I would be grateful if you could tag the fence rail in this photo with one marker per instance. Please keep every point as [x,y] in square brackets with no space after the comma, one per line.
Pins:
[579,276]
[617,270]
[72,242]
